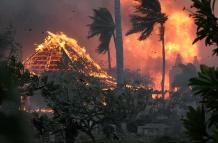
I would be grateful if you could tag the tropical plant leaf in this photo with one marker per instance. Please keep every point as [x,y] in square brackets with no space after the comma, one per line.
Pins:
[206,21]
[195,125]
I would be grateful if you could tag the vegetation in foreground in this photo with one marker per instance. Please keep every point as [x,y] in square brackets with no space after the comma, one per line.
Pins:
[86,105]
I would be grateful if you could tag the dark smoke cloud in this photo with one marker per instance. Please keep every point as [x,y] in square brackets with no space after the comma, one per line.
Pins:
[32,18]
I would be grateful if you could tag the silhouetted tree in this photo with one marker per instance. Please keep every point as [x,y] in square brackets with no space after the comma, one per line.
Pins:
[205,85]
[77,101]
[14,82]
[206,21]
[103,25]
[195,124]
[147,14]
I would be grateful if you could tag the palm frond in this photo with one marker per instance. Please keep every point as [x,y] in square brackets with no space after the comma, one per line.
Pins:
[206,86]
[147,14]
[195,125]
[206,21]
[102,26]
[105,42]
[143,25]
[102,21]
[149,5]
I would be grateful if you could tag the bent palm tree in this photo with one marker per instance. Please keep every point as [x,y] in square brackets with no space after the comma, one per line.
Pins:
[102,26]
[147,15]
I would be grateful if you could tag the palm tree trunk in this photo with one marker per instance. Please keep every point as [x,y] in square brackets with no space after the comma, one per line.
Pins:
[109,59]
[164,59]
[119,44]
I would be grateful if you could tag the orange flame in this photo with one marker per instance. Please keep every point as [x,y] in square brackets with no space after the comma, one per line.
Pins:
[42,110]
[178,40]
[61,42]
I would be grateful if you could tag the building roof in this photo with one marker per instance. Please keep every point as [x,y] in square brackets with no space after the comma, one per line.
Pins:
[58,52]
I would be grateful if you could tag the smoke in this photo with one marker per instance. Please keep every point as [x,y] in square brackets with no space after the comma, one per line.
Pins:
[32,18]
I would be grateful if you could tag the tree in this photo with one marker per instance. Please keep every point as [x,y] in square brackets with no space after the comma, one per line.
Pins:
[196,125]
[119,44]
[147,14]
[126,107]
[13,74]
[15,81]
[103,25]
[206,22]
[77,101]
[205,85]
[201,124]
[82,103]
[44,125]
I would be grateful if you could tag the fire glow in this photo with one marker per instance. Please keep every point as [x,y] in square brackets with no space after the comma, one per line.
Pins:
[146,55]
[178,40]
[50,52]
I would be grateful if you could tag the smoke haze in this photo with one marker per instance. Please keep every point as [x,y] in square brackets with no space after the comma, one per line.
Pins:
[32,18]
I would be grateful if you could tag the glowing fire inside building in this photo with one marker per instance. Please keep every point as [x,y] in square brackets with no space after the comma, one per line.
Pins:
[54,49]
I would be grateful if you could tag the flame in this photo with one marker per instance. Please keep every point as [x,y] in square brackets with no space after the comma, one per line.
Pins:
[178,40]
[42,110]
[62,42]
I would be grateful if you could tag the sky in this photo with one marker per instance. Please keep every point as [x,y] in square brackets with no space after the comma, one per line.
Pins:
[32,18]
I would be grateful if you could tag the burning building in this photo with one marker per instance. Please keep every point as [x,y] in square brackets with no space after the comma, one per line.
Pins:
[180,74]
[59,52]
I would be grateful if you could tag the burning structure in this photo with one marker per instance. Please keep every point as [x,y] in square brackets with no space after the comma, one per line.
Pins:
[180,74]
[59,52]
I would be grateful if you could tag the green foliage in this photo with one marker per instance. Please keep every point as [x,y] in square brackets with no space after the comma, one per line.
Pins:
[201,123]
[77,101]
[13,75]
[85,103]
[103,25]
[42,123]
[128,105]
[15,82]
[196,125]
[206,86]
[206,22]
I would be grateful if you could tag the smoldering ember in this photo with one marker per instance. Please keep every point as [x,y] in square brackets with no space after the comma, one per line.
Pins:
[108,71]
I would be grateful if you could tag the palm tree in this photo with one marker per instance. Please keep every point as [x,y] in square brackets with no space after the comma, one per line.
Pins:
[102,26]
[206,22]
[147,14]
[119,44]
